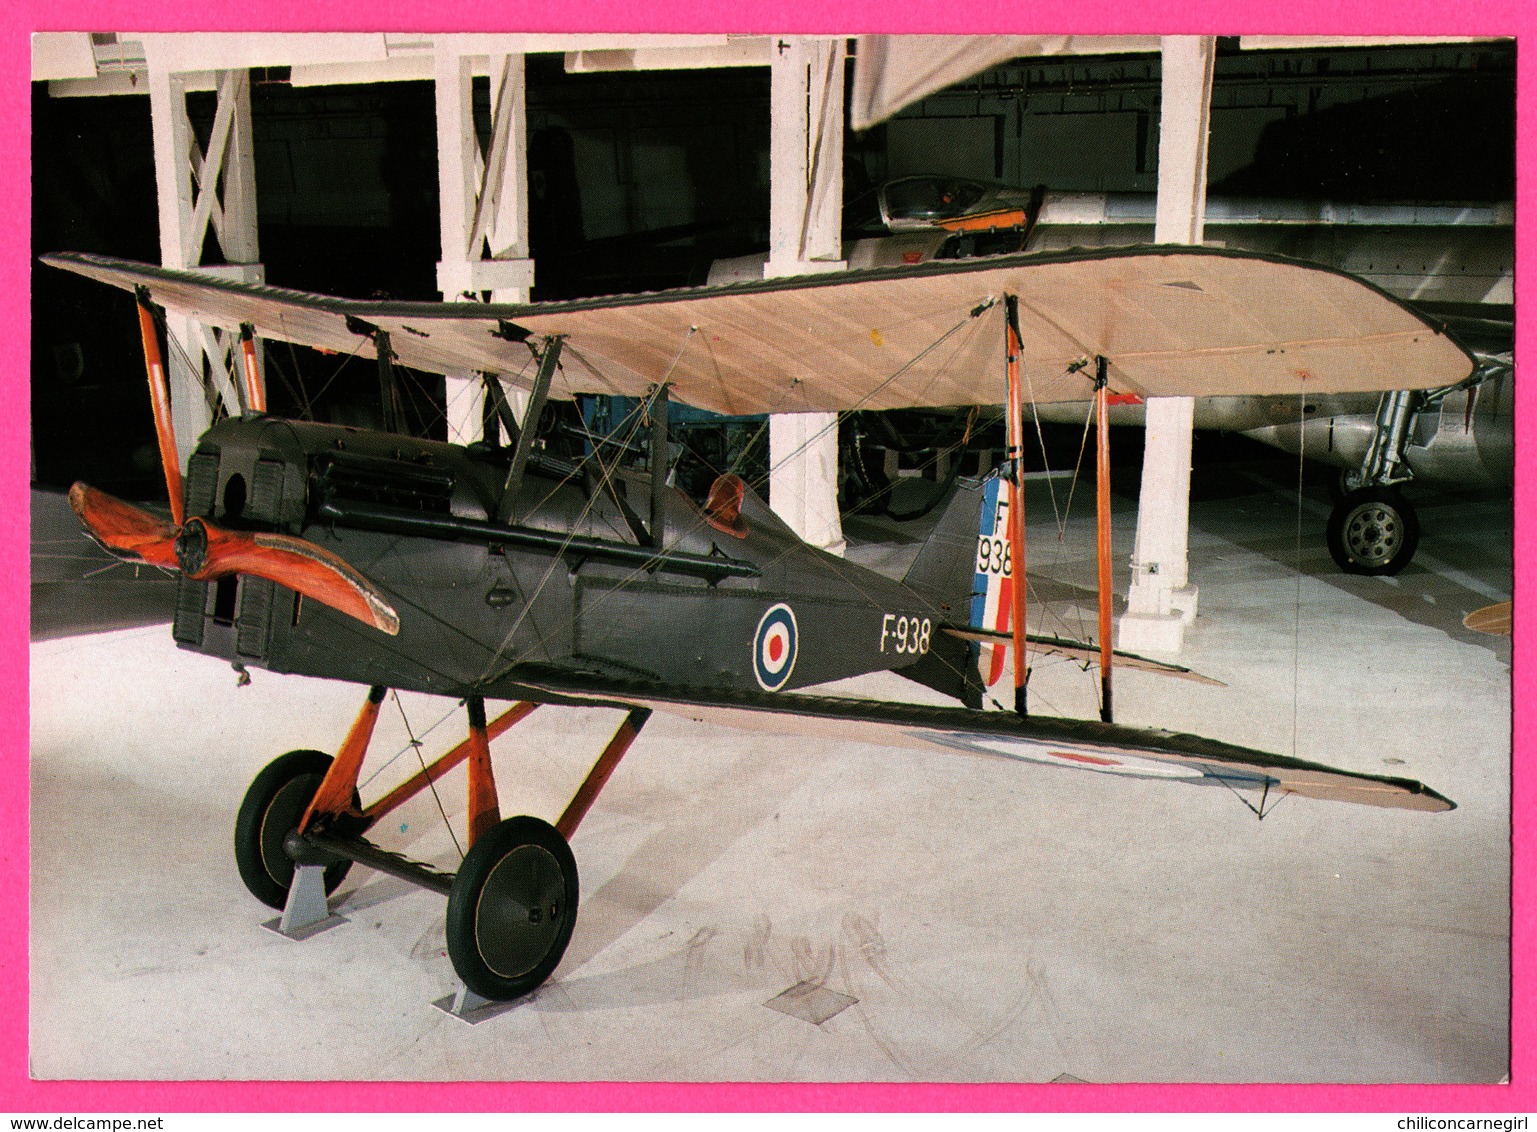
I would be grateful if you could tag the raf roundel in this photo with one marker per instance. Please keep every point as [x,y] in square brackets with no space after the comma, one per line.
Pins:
[774,648]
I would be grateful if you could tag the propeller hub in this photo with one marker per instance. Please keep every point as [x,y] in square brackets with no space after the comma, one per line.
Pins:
[192,547]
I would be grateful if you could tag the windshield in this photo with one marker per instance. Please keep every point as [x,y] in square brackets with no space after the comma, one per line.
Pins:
[931,198]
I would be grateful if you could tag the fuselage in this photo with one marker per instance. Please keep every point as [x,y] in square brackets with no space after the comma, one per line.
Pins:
[571,580]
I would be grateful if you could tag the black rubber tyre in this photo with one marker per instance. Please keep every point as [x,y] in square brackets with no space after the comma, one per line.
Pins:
[512,908]
[272,807]
[1373,531]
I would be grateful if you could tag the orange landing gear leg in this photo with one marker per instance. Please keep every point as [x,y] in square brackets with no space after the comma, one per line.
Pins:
[598,776]
[338,789]
[513,904]
[484,812]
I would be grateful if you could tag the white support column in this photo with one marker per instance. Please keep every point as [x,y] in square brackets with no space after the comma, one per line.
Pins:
[173,146]
[483,202]
[190,202]
[805,222]
[1161,601]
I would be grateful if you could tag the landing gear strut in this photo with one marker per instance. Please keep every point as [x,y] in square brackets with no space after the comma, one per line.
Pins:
[511,906]
[1374,529]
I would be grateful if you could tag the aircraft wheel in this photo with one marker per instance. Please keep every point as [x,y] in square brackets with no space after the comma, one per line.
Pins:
[1373,530]
[271,809]
[512,908]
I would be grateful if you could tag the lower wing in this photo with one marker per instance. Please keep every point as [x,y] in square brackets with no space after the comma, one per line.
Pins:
[1080,744]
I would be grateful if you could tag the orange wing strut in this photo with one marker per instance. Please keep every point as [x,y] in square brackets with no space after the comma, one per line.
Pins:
[1102,494]
[255,393]
[334,797]
[160,400]
[1016,500]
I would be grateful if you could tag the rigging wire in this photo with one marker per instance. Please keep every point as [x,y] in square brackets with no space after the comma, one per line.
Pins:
[657,559]
[213,400]
[413,745]
[1297,601]
[555,560]
[294,388]
[416,745]
[838,565]
[341,365]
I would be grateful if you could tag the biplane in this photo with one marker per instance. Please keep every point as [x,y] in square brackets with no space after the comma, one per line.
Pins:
[497,570]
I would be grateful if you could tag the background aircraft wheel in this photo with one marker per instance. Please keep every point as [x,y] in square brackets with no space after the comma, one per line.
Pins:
[272,807]
[1373,530]
[512,908]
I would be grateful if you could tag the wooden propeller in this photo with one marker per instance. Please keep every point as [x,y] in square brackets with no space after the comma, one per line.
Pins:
[203,551]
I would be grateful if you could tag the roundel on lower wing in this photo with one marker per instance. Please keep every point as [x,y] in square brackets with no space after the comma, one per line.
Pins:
[774,647]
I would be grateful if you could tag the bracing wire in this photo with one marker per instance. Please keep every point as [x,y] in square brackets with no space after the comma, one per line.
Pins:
[512,660]
[657,559]
[410,746]
[416,745]
[1297,601]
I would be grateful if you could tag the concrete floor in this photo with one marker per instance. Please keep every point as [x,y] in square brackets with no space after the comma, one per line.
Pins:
[991,920]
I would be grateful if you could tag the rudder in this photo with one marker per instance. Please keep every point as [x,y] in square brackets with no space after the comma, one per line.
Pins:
[961,573]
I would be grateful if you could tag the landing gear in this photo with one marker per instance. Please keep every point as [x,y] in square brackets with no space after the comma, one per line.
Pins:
[512,908]
[272,808]
[1373,531]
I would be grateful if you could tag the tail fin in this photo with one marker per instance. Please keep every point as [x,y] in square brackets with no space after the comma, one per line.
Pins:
[961,572]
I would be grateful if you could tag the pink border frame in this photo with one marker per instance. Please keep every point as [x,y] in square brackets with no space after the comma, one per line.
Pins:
[20,1095]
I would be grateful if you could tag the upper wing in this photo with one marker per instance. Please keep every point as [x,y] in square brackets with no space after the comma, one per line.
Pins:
[1077,743]
[1173,322]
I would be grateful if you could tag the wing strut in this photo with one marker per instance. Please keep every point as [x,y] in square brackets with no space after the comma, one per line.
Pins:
[160,399]
[1102,497]
[658,465]
[1014,440]
[386,380]
[506,509]
[255,394]
[497,409]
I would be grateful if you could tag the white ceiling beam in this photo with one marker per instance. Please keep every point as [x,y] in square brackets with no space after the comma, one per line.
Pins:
[62,55]
[753,51]
[398,69]
[1299,42]
[180,52]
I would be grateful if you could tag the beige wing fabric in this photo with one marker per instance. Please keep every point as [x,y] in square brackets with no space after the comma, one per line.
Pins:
[1191,322]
